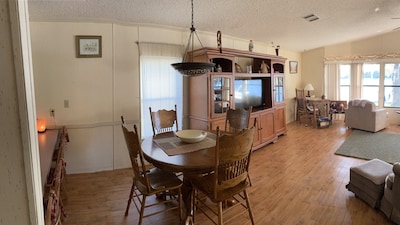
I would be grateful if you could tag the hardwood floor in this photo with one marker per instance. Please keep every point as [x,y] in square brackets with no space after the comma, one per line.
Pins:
[298,180]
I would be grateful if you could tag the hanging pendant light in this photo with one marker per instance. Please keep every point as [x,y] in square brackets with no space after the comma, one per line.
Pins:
[188,67]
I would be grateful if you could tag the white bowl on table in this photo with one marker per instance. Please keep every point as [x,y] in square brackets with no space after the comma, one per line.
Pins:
[191,136]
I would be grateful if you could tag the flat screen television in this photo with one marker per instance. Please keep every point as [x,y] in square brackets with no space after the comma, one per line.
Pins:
[249,92]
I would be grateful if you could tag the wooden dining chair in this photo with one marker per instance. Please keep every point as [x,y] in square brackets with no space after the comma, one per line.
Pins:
[303,111]
[228,180]
[237,119]
[150,182]
[300,96]
[164,121]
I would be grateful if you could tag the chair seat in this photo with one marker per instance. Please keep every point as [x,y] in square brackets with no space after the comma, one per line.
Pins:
[160,181]
[204,184]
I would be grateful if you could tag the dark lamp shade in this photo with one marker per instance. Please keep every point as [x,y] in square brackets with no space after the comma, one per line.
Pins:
[192,69]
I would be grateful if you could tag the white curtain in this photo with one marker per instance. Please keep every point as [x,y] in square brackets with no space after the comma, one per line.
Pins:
[331,81]
[161,85]
[356,76]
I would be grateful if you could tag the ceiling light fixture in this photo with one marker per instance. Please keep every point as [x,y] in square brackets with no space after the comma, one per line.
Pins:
[187,67]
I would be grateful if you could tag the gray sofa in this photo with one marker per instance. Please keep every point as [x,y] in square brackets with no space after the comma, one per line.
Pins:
[362,114]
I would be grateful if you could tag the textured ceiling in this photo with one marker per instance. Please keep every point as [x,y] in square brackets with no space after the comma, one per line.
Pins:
[266,21]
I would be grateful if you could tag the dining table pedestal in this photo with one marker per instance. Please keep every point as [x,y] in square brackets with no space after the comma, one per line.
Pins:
[188,159]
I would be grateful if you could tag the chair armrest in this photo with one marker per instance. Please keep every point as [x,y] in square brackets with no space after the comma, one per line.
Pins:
[396,168]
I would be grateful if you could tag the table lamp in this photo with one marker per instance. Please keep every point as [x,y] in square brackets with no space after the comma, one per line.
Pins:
[41,125]
[308,88]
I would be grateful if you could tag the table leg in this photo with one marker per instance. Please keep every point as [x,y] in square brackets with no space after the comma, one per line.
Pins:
[315,116]
[187,200]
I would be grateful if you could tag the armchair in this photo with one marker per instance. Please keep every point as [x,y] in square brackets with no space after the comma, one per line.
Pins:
[390,203]
[362,114]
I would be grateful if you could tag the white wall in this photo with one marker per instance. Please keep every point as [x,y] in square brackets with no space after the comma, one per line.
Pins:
[382,44]
[313,70]
[100,90]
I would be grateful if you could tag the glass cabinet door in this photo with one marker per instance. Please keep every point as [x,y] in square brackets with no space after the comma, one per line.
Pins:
[279,89]
[221,88]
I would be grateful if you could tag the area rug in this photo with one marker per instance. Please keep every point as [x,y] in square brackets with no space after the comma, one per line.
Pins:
[366,145]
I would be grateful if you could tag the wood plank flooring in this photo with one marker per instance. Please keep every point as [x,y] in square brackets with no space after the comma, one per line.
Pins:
[298,180]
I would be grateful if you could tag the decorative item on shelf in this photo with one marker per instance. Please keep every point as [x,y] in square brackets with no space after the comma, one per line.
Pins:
[264,67]
[41,125]
[187,67]
[277,47]
[219,68]
[219,41]
[309,88]
[251,46]
[323,96]
[249,69]
[277,50]
[238,68]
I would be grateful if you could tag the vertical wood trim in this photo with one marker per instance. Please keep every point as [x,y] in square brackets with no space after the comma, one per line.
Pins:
[19,19]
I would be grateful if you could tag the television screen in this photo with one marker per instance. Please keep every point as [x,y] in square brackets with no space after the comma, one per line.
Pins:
[248,93]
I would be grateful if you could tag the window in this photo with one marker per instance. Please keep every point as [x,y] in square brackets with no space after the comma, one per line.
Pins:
[377,81]
[391,85]
[344,82]
[370,82]
[161,86]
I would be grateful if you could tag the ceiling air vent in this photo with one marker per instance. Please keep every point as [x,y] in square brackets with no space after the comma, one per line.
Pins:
[311,18]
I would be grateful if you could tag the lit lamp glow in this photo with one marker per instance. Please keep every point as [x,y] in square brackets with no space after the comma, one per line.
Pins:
[41,125]
[309,88]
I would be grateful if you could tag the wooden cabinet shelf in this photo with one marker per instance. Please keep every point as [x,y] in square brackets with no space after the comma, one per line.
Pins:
[238,81]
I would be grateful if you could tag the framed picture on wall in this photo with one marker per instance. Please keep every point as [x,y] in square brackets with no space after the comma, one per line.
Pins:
[293,66]
[88,46]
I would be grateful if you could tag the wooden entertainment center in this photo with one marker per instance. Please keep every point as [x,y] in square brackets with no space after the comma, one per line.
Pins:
[211,95]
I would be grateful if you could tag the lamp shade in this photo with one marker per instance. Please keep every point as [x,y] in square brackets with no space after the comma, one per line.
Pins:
[309,87]
[193,69]
[41,125]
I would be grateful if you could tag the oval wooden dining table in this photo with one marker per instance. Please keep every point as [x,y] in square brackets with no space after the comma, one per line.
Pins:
[199,161]
[190,163]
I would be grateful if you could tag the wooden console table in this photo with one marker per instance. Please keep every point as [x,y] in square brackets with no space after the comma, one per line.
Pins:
[52,144]
[47,144]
